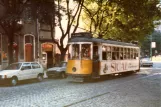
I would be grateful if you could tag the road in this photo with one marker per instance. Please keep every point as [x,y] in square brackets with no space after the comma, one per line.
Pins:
[142,89]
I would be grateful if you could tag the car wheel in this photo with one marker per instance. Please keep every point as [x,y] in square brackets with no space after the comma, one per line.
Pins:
[40,78]
[63,75]
[14,81]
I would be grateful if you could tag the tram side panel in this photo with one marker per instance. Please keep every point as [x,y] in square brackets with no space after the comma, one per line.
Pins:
[117,66]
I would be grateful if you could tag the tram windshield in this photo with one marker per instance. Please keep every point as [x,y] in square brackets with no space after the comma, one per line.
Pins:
[82,51]
[75,51]
[86,51]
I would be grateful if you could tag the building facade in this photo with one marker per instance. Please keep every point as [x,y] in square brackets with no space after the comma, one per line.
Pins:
[31,44]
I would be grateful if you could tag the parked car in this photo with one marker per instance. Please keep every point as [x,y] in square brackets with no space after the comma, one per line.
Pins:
[58,71]
[146,62]
[21,71]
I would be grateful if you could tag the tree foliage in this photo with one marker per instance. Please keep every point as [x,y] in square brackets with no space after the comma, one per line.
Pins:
[146,44]
[72,16]
[12,10]
[53,12]
[121,19]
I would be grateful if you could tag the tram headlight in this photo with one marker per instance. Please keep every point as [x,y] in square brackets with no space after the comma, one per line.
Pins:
[74,69]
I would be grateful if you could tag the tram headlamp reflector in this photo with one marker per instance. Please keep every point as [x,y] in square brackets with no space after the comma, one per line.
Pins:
[74,69]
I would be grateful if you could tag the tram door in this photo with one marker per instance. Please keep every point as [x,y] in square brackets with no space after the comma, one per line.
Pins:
[95,62]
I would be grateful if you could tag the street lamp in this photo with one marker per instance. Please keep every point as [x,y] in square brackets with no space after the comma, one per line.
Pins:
[152,45]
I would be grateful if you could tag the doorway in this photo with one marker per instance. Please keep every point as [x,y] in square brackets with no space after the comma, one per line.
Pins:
[28,53]
[48,49]
[29,45]
[49,59]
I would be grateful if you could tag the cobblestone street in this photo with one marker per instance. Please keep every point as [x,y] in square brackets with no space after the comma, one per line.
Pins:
[138,90]
[80,53]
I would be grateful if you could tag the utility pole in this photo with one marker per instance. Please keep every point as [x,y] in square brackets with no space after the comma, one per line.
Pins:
[151,46]
[38,41]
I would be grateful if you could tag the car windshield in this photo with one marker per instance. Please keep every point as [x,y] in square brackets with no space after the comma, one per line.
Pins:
[14,66]
[146,59]
[63,64]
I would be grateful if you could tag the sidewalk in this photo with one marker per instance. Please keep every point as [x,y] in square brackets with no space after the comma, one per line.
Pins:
[156,59]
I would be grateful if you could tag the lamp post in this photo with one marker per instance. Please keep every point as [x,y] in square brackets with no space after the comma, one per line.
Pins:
[153,45]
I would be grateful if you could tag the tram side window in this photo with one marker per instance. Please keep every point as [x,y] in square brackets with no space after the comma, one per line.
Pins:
[124,53]
[121,53]
[75,51]
[109,53]
[115,53]
[86,53]
[104,53]
[128,53]
[131,53]
[136,52]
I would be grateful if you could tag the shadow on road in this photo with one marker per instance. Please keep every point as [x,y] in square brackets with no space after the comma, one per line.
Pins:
[102,78]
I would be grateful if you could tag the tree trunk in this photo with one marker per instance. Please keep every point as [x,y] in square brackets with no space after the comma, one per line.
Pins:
[10,48]
[62,56]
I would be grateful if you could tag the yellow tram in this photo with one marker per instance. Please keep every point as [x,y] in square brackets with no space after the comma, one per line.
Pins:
[91,57]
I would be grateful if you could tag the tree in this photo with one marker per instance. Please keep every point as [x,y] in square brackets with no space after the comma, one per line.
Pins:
[54,17]
[146,44]
[122,20]
[73,16]
[45,11]
[9,21]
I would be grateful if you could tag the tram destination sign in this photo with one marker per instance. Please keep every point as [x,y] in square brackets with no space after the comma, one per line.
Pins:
[85,34]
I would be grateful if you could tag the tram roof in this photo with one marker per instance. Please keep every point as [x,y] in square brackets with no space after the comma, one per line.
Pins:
[89,38]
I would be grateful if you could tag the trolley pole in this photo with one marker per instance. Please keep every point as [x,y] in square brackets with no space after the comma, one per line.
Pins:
[151,47]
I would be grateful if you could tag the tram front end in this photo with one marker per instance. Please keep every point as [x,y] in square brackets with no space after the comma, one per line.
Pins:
[79,65]
[79,69]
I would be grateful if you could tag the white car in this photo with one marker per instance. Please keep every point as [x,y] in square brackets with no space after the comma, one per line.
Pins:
[58,71]
[146,62]
[21,71]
